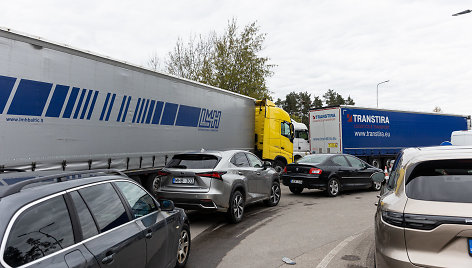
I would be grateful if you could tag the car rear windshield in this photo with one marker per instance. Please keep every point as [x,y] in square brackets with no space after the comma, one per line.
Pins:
[443,181]
[313,159]
[193,161]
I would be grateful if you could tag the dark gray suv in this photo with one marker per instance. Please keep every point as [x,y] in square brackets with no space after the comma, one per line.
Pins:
[87,219]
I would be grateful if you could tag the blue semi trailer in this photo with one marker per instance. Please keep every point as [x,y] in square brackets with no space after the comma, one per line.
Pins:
[377,135]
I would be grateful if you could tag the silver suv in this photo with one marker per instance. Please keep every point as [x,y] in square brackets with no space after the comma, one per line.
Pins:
[224,181]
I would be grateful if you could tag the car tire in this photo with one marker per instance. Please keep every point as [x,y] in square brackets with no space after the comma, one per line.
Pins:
[275,194]
[296,189]
[334,187]
[183,249]
[236,207]
[153,183]
[376,186]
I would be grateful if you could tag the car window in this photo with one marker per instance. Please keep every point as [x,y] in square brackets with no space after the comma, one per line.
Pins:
[39,231]
[357,163]
[193,161]
[240,160]
[87,224]
[105,205]
[441,180]
[254,161]
[313,158]
[340,161]
[141,203]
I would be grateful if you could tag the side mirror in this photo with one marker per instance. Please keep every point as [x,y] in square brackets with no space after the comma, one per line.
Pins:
[267,164]
[167,205]
[378,177]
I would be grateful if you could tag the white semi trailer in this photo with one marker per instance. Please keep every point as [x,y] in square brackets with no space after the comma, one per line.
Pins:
[66,109]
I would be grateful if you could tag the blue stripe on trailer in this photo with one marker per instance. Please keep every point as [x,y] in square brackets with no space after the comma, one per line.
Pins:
[126,109]
[170,111]
[111,106]
[71,102]
[79,104]
[57,101]
[151,110]
[145,111]
[136,110]
[105,106]
[188,116]
[140,112]
[87,100]
[6,86]
[30,98]
[157,113]
[123,100]
[92,105]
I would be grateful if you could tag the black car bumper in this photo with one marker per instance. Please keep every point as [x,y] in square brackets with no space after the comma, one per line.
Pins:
[303,180]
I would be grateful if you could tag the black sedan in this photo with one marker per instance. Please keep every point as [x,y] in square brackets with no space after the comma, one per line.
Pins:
[330,172]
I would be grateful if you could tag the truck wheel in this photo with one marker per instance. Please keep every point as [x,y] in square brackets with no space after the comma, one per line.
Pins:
[376,162]
[279,166]
[334,187]
[296,189]
[236,207]
[274,197]
[153,183]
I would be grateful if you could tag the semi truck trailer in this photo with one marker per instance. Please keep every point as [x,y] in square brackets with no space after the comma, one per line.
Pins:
[377,135]
[62,108]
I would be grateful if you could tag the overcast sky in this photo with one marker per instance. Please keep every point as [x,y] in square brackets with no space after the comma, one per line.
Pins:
[347,46]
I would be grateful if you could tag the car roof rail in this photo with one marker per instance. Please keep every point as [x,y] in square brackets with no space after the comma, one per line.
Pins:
[17,187]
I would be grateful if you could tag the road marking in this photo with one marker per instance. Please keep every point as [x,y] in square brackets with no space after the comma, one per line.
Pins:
[255,226]
[327,259]
[218,227]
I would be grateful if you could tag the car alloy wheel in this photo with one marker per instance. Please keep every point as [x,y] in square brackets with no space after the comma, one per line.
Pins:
[275,194]
[156,184]
[333,187]
[238,206]
[184,246]
[377,186]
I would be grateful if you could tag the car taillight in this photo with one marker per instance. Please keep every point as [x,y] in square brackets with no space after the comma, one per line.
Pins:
[316,171]
[421,222]
[285,170]
[162,173]
[215,175]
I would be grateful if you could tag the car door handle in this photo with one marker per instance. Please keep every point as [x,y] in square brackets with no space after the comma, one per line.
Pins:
[240,173]
[149,234]
[258,173]
[109,258]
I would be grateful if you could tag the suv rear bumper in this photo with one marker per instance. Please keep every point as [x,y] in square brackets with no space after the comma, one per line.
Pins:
[196,201]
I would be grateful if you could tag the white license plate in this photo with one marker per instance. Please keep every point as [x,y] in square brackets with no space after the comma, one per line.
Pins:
[183,180]
[296,181]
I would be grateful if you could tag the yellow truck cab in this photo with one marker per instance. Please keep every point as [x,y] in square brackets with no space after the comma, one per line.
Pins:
[274,134]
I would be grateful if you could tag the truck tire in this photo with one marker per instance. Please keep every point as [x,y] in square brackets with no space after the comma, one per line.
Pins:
[279,165]
[376,162]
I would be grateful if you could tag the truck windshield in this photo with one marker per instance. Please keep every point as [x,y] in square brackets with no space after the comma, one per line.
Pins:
[301,134]
[442,181]
[193,161]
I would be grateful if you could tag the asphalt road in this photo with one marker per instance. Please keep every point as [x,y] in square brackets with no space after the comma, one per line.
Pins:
[311,229]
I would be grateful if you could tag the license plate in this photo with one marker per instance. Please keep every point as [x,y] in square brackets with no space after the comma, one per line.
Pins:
[183,180]
[296,181]
[470,246]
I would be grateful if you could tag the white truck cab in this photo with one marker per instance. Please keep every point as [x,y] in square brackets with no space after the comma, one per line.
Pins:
[459,137]
[301,144]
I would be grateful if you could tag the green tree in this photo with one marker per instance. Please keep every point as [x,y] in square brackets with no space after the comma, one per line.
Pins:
[332,98]
[230,61]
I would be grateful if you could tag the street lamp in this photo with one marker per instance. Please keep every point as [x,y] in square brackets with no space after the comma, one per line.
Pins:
[462,12]
[378,91]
